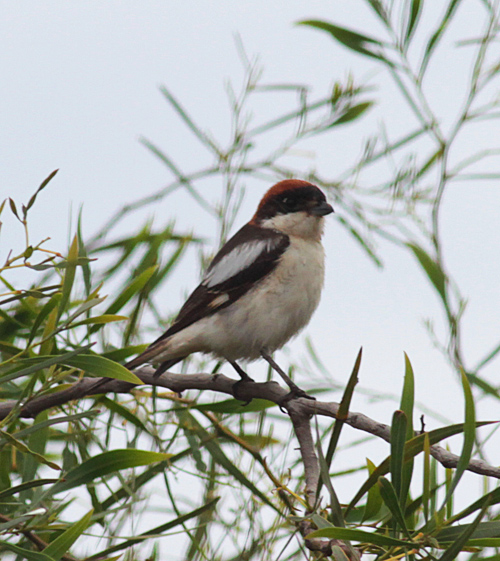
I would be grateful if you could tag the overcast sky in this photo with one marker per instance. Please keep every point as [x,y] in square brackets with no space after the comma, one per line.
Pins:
[80,86]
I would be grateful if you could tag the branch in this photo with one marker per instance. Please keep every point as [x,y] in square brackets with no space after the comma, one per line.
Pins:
[34,539]
[298,409]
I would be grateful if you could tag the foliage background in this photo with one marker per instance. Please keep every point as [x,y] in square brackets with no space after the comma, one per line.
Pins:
[357,297]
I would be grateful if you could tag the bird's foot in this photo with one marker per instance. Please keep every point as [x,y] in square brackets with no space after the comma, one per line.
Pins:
[239,389]
[294,393]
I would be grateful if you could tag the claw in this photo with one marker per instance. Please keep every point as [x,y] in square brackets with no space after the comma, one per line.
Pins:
[294,393]
[237,388]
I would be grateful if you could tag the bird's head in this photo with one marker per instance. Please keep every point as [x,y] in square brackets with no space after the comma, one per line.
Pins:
[293,207]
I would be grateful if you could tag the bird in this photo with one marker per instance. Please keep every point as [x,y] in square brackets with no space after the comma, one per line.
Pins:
[259,291]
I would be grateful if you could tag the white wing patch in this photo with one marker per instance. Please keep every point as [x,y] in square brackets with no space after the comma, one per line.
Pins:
[239,259]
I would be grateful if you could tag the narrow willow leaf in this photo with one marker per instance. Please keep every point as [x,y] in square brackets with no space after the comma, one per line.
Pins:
[40,363]
[452,552]
[234,406]
[335,508]
[488,529]
[64,541]
[412,448]
[155,532]
[131,290]
[391,500]
[13,208]
[426,494]
[220,458]
[431,268]
[398,438]
[365,246]
[352,113]
[357,42]
[26,450]
[358,536]
[343,411]
[379,9]
[436,36]
[407,405]
[374,501]
[413,17]
[25,553]
[105,464]
[37,442]
[469,437]
[69,275]
[49,330]
[491,498]
[120,355]
[99,320]
[44,184]
[25,486]
[125,413]
[103,367]
[86,270]
[44,312]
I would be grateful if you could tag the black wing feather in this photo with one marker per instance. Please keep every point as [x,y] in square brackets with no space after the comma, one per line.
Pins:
[198,305]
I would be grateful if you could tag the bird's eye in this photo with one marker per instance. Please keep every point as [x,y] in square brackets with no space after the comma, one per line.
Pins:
[289,203]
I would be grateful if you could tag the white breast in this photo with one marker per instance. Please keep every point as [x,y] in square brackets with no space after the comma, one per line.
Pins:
[274,311]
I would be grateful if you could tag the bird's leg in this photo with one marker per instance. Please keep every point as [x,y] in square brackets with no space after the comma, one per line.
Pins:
[241,373]
[295,391]
[245,379]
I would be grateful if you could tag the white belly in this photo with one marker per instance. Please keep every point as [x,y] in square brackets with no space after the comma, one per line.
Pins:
[267,316]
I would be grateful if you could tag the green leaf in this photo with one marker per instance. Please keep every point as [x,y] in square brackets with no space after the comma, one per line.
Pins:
[407,405]
[44,183]
[44,312]
[379,9]
[25,486]
[234,406]
[69,275]
[131,290]
[64,541]
[25,553]
[413,17]
[491,498]
[426,494]
[412,448]
[105,464]
[358,536]
[391,500]
[452,552]
[220,458]
[13,208]
[436,36]
[469,437]
[431,268]
[342,414]
[119,409]
[40,363]
[121,355]
[398,439]
[103,367]
[352,113]
[98,320]
[335,508]
[357,42]
[155,532]
[489,529]
[26,450]
[374,501]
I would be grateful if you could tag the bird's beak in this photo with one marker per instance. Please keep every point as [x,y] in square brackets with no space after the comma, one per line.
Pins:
[322,209]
